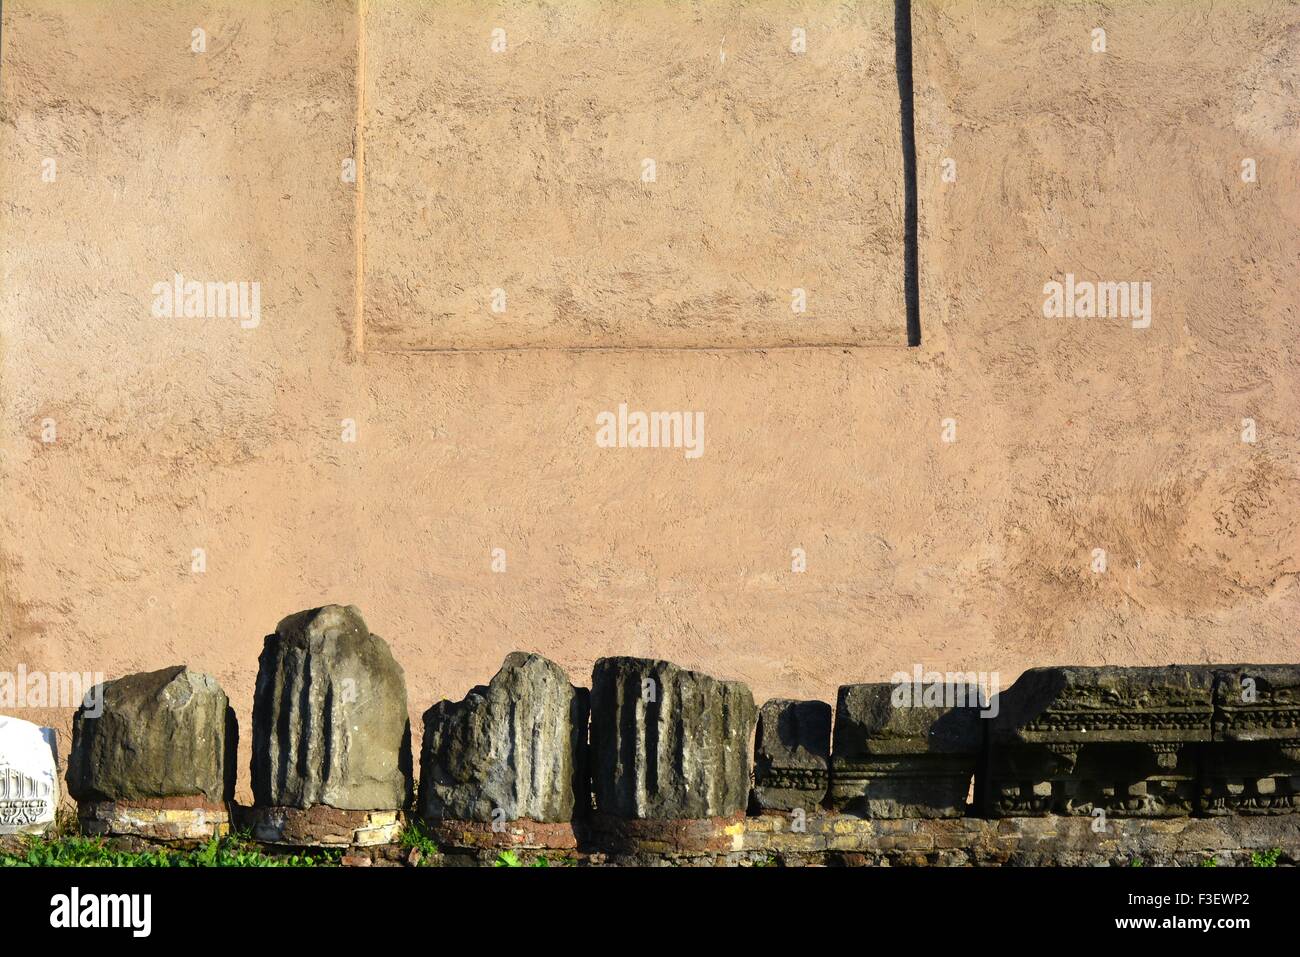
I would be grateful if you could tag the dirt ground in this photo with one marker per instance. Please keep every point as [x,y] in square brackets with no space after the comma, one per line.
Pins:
[475,430]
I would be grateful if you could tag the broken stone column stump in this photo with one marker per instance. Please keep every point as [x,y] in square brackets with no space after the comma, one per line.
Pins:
[153,756]
[29,777]
[792,750]
[1124,741]
[900,752]
[669,749]
[507,765]
[331,738]
[1252,765]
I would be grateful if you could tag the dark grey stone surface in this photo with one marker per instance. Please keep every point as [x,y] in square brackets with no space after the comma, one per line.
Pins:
[792,752]
[518,744]
[168,733]
[668,743]
[895,756]
[330,725]
[1253,765]
[1124,742]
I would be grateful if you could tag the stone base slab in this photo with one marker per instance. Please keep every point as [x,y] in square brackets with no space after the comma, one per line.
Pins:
[520,834]
[1025,841]
[844,840]
[597,835]
[903,786]
[828,838]
[158,819]
[321,826]
[667,837]
[784,789]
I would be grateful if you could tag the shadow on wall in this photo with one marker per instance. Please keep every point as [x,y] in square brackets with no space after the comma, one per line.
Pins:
[911,245]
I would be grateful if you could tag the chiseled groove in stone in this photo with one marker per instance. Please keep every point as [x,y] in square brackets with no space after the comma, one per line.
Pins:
[681,753]
[329,716]
[516,746]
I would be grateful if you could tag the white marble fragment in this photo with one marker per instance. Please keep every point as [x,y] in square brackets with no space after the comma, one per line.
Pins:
[29,777]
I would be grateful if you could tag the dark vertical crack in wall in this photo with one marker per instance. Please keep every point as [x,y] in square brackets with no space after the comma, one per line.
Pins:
[911,252]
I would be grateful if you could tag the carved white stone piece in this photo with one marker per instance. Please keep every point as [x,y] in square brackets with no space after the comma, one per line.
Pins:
[29,777]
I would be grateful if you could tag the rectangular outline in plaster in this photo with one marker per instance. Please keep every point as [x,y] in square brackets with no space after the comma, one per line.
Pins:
[911,245]
[359,189]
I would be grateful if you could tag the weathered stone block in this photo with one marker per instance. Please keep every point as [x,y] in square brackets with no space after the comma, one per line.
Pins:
[657,841]
[518,745]
[1072,740]
[176,819]
[792,752]
[1026,841]
[521,833]
[322,826]
[899,754]
[668,743]
[1253,764]
[29,777]
[160,734]
[330,725]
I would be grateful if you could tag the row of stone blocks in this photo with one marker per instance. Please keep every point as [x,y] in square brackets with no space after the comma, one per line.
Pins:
[650,742]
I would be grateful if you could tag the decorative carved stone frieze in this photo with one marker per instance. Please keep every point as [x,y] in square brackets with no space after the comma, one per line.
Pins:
[1253,765]
[1123,740]
[29,777]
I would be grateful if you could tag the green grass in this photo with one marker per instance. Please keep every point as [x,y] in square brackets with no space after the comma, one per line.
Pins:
[416,837]
[233,850]
[511,859]
[1265,858]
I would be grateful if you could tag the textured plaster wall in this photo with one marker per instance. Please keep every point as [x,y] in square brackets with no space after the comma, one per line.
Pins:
[176,434]
[1115,166]
[520,163]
